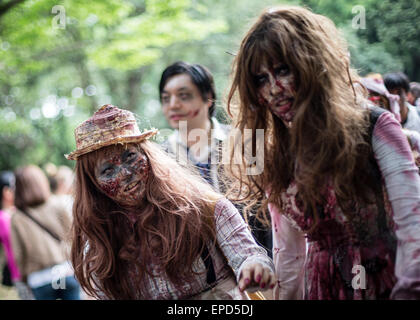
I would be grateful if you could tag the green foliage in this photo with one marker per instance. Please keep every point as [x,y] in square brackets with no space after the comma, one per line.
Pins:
[102,45]
[391,37]
[370,58]
[339,11]
[114,51]
[395,26]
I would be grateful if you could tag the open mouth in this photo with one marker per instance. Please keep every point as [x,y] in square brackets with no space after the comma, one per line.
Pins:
[283,102]
[178,116]
[132,186]
[283,105]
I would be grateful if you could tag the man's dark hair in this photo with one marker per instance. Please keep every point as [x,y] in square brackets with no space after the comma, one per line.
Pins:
[7,179]
[200,76]
[397,80]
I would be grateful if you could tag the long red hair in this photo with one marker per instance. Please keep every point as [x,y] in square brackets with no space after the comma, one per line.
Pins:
[112,252]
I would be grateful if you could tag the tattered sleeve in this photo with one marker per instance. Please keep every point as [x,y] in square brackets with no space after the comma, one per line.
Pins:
[402,181]
[236,241]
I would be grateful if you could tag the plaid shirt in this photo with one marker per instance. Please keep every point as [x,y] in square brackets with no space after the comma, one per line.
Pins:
[235,242]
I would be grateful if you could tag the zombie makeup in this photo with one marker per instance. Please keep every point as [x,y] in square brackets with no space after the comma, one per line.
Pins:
[185,116]
[276,90]
[375,99]
[122,176]
[182,101]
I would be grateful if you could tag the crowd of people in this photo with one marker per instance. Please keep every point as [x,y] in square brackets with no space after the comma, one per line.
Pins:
[339,190]
[34,227]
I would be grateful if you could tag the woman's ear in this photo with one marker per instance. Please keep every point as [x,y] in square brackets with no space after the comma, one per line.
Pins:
[209,102]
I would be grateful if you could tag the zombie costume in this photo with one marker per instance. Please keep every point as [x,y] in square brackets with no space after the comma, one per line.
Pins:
[122,174]
[234,250]
[208,167]
[371,253]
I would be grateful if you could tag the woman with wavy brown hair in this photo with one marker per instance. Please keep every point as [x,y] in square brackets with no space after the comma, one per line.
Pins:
[147,228]
[339,178]
[39,237]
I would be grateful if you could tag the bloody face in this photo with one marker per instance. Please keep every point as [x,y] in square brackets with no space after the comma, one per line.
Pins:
[276,90]
[182,101]
[122,175]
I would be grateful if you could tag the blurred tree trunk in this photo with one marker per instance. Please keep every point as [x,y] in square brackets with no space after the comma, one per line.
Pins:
[414,73]
[112,83]
[85,79]
[133,88]
[4,7]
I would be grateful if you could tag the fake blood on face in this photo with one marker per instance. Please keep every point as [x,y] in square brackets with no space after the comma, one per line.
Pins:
[123,176]
[111,188]
[182,101]
[276,90]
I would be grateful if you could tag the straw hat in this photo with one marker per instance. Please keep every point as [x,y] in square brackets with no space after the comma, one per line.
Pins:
[109,125]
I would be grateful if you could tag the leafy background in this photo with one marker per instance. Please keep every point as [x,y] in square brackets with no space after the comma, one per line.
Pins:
[53,78]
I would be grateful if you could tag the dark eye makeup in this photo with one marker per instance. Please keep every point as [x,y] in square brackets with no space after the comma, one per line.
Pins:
[279,70]
[107,170]
[128,155]
[260,79]
[282,70]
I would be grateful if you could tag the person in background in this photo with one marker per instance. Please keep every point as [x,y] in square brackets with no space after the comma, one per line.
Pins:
[397,83]
[39,231]
[379,95]
[8,268]
[188,98]
[413,96]
[50,170]
[61,180]
[7,196]
[339,175]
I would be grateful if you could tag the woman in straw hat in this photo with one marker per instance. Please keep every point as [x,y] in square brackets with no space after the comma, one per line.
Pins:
[339,178]
[147,228]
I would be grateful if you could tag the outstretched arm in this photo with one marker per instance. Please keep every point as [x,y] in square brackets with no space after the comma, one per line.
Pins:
[248,260]
[402,181]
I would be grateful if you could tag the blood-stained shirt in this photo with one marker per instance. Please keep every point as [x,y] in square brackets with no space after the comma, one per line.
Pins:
[322,268]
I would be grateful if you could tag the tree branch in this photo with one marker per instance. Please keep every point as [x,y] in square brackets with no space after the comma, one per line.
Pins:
[8,5]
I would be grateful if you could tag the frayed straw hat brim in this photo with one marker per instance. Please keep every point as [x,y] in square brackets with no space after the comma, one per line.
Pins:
[123,140]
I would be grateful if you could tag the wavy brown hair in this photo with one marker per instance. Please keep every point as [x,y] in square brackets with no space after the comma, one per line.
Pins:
[327,142]
[113,249]
[32,187]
